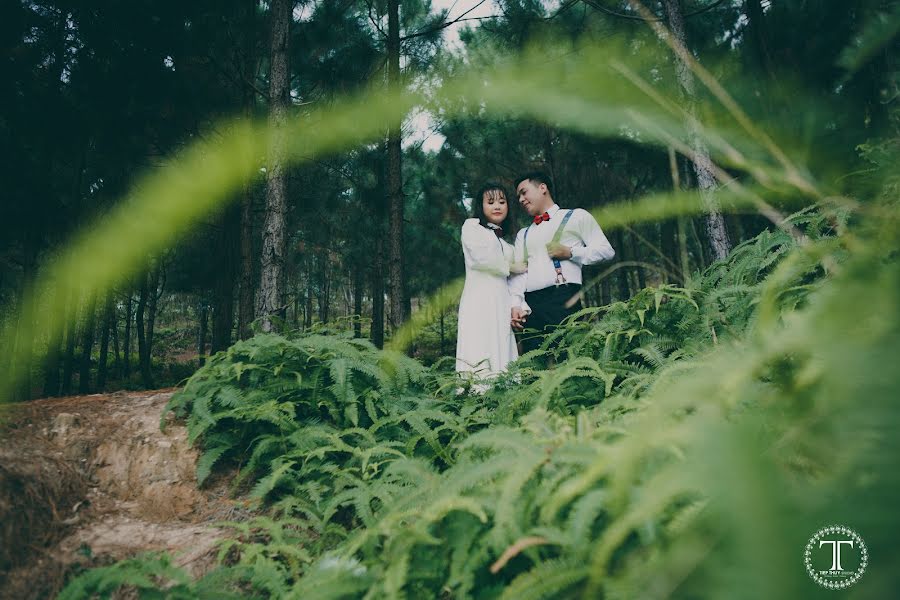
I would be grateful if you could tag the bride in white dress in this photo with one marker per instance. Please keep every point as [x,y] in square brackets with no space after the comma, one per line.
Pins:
[485,342]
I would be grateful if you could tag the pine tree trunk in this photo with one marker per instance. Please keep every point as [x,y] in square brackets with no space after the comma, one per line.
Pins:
[669,245]
[271,283]
[22,353]
[246,281]
[139,322]
[71,336]
[201,334]
[394,178]
[104,342]
[87,345]
[126,347]
[701,247]
[117,356]
[357,301]
[680,223]
[631,282]
[639,272]
[246,292]
[223,294]
[621,274]
[590,297]
[377,333]
[324,291]
[307,313]
[703,167]
[683,254]
[736,224]
[52,362]
[627,253]
[23,347]
[442,333]
[6,332]
[51,366]
[154,293]
[759,36]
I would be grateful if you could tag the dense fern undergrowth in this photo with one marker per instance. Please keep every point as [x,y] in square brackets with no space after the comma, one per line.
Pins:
[684,443]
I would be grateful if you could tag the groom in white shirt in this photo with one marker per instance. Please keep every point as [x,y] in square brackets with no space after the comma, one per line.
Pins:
[554,247]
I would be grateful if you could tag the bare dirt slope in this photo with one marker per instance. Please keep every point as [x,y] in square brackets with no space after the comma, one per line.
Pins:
[88,480]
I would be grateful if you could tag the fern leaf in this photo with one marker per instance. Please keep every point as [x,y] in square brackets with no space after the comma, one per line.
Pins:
[549,579]
[207,460]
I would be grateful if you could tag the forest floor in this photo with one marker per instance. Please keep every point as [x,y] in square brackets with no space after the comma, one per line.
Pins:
[88,480]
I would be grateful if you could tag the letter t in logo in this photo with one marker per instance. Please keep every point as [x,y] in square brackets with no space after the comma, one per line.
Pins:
[836,552]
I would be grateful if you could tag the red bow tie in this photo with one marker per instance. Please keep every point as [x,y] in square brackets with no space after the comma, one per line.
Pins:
[541,218]
[498,231]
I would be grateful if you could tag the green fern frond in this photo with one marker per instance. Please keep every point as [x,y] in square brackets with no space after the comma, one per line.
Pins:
[207,460]
[279,474]
[549,579]
[148,573]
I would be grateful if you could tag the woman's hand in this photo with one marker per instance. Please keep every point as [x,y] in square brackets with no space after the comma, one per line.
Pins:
[517,318]
[517,268]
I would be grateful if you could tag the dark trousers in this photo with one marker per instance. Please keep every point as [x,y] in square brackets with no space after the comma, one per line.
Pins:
[548,310]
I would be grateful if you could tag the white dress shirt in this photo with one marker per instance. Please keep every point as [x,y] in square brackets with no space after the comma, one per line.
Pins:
[582,235]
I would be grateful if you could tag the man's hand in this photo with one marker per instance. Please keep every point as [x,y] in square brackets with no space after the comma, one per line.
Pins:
[517,318]
[559,251]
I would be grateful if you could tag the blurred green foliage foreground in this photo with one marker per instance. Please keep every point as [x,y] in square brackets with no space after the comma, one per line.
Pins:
[686,443]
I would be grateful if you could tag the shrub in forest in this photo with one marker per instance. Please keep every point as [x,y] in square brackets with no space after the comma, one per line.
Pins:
[310,416]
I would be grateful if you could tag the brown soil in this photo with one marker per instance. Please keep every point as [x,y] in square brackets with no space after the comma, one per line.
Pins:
[89,480]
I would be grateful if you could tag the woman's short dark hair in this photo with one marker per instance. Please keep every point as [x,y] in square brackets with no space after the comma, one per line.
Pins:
[537,178]
[478,206]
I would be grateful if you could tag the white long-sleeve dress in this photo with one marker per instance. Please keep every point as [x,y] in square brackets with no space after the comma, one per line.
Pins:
[485,343]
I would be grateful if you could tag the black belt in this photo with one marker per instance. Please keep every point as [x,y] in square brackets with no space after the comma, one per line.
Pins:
[554,289]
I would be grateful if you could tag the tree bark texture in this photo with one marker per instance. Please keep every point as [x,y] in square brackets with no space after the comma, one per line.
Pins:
[703,166]
[271,282]
[398,312]
[223,294]
[108,322]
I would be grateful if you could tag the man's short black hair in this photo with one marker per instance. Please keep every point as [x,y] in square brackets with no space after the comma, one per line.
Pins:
[537,178]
